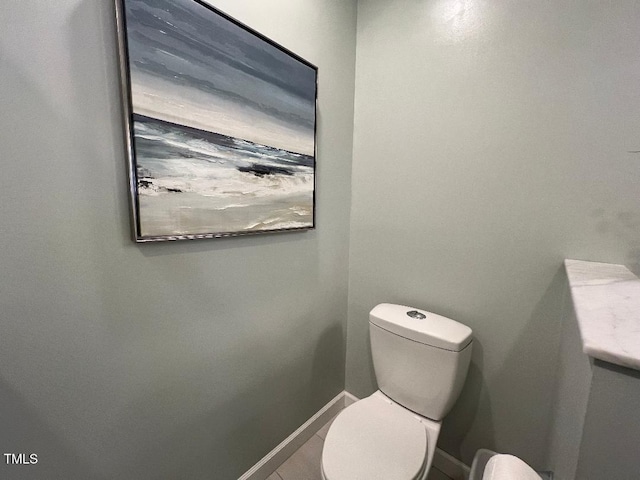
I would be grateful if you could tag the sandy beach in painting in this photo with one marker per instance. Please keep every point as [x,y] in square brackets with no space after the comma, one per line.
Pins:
[170,212]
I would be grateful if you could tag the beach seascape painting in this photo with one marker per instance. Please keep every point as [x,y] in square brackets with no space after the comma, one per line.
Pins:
[221,124]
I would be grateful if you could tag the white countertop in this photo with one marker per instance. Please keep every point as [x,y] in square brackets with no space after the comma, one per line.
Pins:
[606,299]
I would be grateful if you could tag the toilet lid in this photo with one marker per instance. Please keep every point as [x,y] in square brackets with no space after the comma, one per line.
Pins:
[374,438]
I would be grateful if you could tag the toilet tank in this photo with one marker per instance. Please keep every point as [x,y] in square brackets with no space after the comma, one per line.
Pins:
[420,358]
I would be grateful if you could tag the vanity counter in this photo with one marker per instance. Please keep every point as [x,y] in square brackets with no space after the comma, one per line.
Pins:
[606,299]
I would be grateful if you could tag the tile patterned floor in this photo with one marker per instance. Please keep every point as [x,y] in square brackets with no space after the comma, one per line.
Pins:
[304,464]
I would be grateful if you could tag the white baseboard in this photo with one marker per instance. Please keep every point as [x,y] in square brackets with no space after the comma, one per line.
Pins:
[276,457]
[349,398]
[450,466]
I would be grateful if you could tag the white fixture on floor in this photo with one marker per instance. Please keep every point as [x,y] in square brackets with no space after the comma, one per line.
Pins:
[488,465]
[421,361]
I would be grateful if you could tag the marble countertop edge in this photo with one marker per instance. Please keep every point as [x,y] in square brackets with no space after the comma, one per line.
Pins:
[616,359]
[606,300]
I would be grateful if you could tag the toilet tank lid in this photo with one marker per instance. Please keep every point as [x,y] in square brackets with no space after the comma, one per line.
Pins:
[421,326]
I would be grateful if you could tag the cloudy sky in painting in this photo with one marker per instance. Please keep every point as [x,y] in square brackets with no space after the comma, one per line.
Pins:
[191,66]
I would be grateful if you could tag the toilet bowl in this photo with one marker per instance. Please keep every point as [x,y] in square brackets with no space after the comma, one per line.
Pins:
[420,361]
[377,438]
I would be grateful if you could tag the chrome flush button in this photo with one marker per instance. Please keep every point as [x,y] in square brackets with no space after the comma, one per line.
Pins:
[416,314]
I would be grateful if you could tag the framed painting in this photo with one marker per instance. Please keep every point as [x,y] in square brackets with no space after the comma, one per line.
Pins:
[220,124]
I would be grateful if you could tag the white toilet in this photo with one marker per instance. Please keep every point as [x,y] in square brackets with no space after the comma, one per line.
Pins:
[421,361]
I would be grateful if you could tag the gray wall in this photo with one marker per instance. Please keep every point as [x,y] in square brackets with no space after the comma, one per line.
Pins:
[611,436]
[571,398]
[491,142]
[182,360]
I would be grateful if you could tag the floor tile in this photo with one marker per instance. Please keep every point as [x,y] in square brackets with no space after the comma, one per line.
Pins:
[274,476]
[305,463]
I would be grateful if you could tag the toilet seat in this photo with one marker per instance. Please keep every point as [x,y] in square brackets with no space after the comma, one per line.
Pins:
[375,438]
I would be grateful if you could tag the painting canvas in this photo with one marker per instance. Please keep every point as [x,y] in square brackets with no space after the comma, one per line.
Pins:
[221,124]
